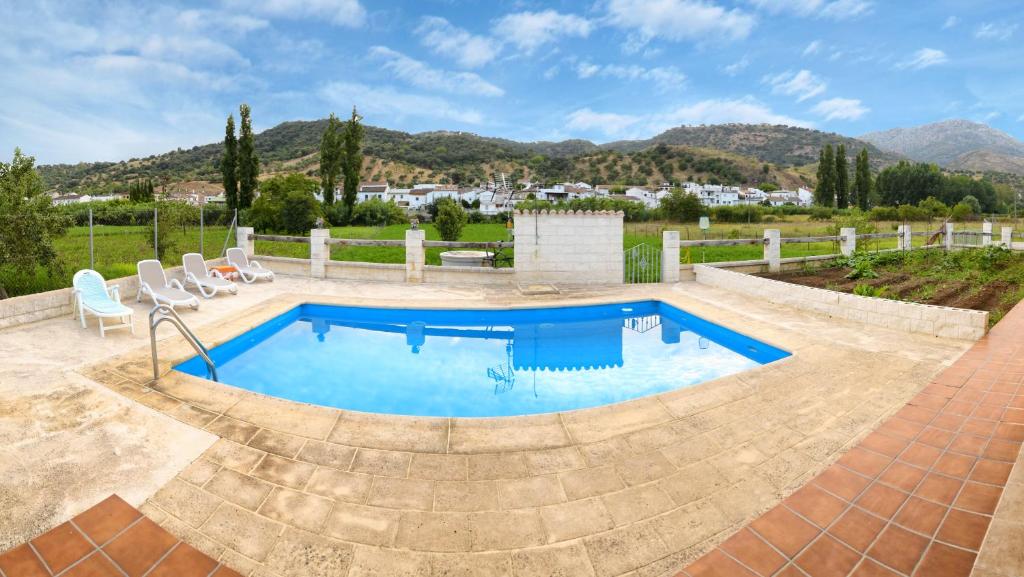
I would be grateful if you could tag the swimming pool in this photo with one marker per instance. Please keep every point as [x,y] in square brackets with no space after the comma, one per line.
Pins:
[480,363]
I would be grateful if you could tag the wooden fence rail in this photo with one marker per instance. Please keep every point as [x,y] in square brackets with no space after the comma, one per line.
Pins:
[364,242]
[466,244]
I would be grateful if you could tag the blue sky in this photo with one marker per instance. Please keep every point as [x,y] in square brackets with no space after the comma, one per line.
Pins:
[88,80]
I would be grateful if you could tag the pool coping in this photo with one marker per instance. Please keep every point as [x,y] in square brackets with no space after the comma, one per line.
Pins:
[706,431]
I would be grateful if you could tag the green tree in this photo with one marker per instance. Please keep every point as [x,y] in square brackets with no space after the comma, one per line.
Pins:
[286,203]
[862,180]
[330,158]
[248,162]
[842,178]
[352,158]
[28,221]
[451,218]
[973,203]
[229,164]
[681,206]
[825,191]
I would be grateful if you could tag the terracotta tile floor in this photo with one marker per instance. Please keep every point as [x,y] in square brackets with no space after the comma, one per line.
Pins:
[111,539]
[915,497]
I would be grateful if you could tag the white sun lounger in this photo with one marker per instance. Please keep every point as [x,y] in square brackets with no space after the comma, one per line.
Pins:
[153,282]
[249,270]
[208,282]
[93,296]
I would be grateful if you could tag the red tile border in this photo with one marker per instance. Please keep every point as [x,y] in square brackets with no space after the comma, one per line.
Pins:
[111,538]
[916,496]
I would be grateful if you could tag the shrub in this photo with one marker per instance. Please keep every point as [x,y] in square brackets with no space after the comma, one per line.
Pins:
[866,290]
[299,211]
[962,212]
[681,206]
[376,212]
[450,220]
[338,214]
[821,213]
[909,212]
[884,213]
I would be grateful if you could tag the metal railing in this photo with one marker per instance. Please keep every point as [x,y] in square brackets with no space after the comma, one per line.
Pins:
[166,313]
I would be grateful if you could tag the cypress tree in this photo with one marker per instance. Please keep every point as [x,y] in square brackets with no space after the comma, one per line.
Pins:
[229,164]
[825,192]
[330,158]
[352,158]
[842,178]
[248,162]
[862,179]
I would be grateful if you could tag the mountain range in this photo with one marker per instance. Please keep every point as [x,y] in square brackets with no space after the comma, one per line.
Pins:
[955,145]
[726,153]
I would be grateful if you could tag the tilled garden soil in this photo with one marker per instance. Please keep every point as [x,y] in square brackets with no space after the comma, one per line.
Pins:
[950,293]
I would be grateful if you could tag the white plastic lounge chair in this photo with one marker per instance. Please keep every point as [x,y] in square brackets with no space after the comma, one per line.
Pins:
[153,282]
[249,270]
[208,282]
[93,296]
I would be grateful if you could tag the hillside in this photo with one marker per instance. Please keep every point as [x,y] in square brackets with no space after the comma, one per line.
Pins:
[956,144]
[462,157]
[782,145]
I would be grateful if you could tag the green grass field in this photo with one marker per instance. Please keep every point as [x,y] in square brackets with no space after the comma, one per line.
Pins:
[118,248]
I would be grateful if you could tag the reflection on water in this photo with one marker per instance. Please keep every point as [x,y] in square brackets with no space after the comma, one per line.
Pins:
[445,363]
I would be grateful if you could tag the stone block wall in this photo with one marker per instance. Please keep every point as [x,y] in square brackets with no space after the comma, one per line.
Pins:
[569,247]
[932,320]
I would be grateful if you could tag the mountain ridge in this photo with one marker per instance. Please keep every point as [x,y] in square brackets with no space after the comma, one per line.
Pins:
[956,144]
[468,157]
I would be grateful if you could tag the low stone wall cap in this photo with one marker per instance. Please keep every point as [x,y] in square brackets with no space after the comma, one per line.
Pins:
[570,212]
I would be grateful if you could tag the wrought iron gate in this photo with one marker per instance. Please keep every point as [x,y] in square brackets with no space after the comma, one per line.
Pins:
[642,264]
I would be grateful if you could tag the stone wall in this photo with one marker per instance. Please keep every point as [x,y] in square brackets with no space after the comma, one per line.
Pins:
[932,320]
[469,275]
[568,247]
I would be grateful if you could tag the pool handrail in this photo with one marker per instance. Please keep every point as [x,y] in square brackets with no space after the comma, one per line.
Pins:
[167,314]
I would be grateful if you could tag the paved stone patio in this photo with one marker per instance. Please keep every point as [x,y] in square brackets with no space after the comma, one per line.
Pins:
[641,487]
[918,495]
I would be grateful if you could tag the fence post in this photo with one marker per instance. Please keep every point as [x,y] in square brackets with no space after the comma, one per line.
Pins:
[414,254]
[949,236]
[670,256]
[1006,236]
[92,259]
[319,251]
[201,230]
[156,238]
[905,237]
[242,240]
[773,249]
[848,242]
[986,233]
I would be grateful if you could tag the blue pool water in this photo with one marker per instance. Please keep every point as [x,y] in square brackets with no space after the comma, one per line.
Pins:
[477,363]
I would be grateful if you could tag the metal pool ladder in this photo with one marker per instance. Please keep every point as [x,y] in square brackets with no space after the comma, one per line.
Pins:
[161,313]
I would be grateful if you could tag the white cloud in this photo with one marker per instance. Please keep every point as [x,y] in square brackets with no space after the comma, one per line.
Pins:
[840,109]
[607,123]
[551,72]
[950,22]
[746,110]
[736,67]
[924,58]
[812,48]
[386,103]
[422,75]
[834,9]
[664,77]
[348,13]
[468,50]
[198,19]
[995,31]
[803,84]
[531,30]
[678,20]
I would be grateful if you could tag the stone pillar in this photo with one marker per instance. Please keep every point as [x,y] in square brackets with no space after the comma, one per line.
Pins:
[243,241]
[773,249]
[319,252]
[1006,236]
[949,236]
[904,240]
[986,233]
[414,255]
[848,244]
[670,256]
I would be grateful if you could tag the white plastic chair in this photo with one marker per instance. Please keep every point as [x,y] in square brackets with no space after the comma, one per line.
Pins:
[153,282]
[93,296]
[249,270]
[209,282]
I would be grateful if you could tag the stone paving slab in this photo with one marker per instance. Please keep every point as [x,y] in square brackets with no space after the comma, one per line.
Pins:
[640,487]
[935,490]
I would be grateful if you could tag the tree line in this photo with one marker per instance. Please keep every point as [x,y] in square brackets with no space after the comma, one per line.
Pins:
[240,167]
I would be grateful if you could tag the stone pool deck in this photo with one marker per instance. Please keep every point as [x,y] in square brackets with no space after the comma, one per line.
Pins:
[272,487]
